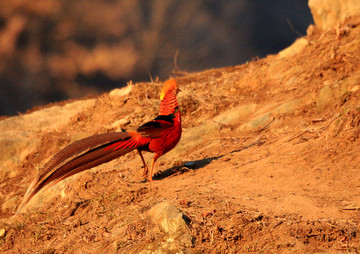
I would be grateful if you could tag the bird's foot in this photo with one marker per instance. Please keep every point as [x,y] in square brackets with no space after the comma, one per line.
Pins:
[146,171]
[146,180]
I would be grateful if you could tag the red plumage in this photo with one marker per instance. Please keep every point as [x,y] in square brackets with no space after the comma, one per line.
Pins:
[157,136]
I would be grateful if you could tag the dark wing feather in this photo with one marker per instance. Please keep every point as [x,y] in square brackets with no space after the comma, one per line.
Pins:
[167,118]
[154,128]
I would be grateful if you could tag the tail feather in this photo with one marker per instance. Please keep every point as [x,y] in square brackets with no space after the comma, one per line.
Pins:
[82,146]
[78,156]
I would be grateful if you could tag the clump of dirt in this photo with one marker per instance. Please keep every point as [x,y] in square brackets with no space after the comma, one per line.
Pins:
[290,184]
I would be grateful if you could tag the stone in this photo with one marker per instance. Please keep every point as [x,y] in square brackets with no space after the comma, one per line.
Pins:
[325,98]
[267,114]
[256,122]
[198,134]
[10,203]
[287,107]
[120,92]
[294,49]
[354,89]
[18,134]
[119,124]
[79,135]
[14,147]
[329,14]
[2,232]
[171,220]
[233,115]
[331,93]
[193,137]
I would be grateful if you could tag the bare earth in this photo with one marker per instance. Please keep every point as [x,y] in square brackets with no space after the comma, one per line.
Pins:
[283,177]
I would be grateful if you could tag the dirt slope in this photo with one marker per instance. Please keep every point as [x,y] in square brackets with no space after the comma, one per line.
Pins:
[268,162]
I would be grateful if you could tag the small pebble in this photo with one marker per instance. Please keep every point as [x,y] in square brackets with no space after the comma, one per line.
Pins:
[2,232]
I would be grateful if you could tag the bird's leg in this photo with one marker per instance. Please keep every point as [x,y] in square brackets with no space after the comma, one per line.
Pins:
[146,170]
[151,170]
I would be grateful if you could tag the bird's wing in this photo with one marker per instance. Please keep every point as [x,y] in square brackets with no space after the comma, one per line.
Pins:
[154,128]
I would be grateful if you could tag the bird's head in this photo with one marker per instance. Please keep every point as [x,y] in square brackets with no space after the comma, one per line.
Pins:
[169,85]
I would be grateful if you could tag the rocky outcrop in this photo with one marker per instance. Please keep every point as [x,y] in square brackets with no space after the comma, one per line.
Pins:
[19,134]
[329,14]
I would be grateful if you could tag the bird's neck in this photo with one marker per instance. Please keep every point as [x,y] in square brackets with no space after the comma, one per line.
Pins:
[169,104]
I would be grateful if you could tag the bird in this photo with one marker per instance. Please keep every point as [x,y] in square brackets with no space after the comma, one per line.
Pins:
[158,136]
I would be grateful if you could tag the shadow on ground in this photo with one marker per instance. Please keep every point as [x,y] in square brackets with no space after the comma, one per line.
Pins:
[195,165]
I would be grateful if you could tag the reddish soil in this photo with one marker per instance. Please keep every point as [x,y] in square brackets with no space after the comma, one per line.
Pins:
[291,186]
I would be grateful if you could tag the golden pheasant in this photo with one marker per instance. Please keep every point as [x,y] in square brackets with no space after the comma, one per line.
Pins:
[157,136]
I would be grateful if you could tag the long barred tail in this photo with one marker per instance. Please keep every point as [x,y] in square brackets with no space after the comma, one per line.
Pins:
[79,156]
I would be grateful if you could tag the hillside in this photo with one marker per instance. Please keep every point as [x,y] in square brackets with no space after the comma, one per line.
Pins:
[268,162]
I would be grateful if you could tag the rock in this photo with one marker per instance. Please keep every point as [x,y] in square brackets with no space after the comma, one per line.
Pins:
[119,124]
[198,134]
[79,135]
[193,137]
[14,147]
[10,203]
[2,232]
[120,92]
[331,93]
[287,107]
[177,234]
[325,98]
[354,89]
[256,122]
[18,135]
[233,115]
[295,48]
[49,118]
[207,129]
[329,14]
[171,219]
[265,118]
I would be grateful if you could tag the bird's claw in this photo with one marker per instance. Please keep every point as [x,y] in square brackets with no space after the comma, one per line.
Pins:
[146,171]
